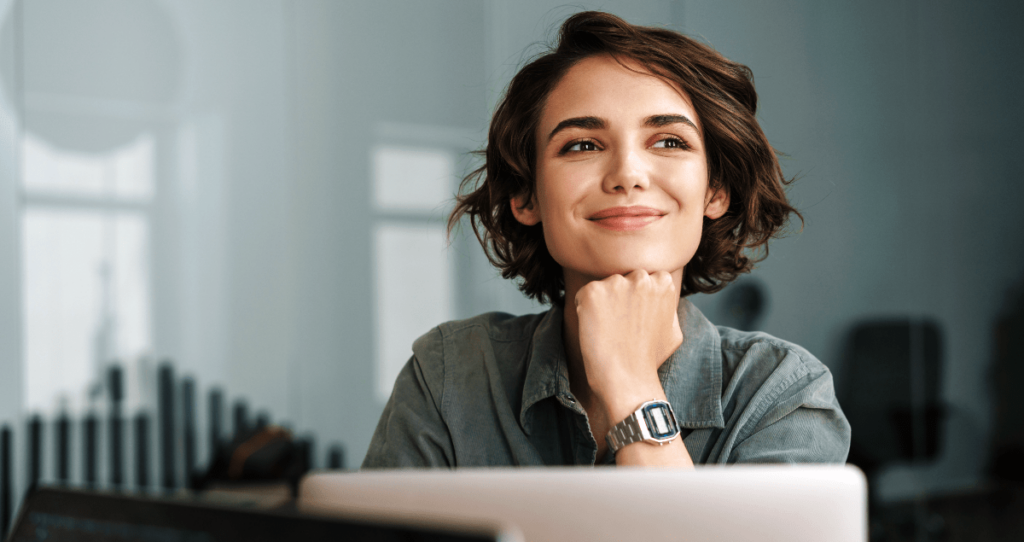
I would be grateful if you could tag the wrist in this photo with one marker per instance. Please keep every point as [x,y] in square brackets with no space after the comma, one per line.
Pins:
[653,422]
[623,400]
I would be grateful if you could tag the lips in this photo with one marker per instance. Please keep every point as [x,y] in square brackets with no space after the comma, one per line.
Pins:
[626,218]
[614,212]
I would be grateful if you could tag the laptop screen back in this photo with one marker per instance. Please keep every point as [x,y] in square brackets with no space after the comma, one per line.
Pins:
[794,503]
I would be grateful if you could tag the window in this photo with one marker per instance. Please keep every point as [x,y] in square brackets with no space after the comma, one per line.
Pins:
[85,226]
[412,270]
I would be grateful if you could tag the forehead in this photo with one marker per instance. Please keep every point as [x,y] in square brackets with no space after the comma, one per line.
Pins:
[601,86]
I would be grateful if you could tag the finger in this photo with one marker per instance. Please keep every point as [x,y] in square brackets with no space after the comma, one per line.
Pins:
[637,275]
[584,292]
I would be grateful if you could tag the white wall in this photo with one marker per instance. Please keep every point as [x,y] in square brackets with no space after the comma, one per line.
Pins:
[358,65]
[236,101]
[10,294]
[11,382]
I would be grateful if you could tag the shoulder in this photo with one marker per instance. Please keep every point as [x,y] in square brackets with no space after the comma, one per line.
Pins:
[491,326]
[462,357]
[488,334]
[782,401]
[767,369]
[496,326]
[765,348]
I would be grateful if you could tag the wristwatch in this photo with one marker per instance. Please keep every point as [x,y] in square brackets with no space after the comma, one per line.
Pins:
[654,422]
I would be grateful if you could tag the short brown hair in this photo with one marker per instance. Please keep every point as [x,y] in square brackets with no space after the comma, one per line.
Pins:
[739,157]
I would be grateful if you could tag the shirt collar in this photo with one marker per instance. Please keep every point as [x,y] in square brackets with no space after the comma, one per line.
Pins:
[691,377]
[547,372]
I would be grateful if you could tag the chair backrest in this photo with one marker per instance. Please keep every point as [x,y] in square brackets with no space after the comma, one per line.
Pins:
[890,391]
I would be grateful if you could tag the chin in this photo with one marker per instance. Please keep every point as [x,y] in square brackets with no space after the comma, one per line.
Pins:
[601,262]
[626,266]
[650,260]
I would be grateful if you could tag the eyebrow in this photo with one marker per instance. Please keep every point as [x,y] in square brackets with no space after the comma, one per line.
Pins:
[587,123]
[657,121]
[597,123]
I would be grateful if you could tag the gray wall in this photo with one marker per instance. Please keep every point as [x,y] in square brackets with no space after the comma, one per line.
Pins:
[899,120]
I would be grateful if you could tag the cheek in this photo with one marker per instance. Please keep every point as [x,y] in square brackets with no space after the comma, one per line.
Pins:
[558,237]
[555,195]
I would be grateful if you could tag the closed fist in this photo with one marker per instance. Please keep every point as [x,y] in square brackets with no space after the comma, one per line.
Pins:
[628,327]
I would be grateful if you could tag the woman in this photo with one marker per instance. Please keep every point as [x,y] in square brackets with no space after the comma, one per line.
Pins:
[625,170]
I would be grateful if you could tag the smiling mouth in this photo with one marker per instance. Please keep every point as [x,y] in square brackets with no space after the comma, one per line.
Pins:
[626,218]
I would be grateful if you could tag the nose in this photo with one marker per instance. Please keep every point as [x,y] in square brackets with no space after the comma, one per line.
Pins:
[626,172]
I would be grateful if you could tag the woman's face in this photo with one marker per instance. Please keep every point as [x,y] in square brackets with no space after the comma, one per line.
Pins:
[622,178]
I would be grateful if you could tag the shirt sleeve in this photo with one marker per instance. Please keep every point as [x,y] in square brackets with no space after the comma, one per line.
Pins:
[802,423]
[411,431]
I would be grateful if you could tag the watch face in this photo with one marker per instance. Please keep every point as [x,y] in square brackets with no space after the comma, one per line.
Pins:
[660,421]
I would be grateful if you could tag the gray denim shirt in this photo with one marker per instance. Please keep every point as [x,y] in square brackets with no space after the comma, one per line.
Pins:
[493,390]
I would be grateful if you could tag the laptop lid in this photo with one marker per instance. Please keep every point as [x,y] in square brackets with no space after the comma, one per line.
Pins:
[736,503]
[55,514]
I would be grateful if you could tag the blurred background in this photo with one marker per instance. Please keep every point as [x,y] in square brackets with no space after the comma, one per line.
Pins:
[256,191]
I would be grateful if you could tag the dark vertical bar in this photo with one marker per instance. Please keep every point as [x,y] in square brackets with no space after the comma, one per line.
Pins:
[311,452]
[63,447]
[241,419]
[142,451]
[35,450]
[167,455]
[216,415]
[116,437]
[336,458]
[301,466]
[5,481]
[262,420]
[89,449]
[116,451]
[918,420]
[189,427]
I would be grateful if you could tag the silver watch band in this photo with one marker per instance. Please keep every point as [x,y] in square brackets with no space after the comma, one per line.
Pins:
[626,432]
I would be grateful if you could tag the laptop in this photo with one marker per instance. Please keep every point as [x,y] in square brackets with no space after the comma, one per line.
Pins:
[735,503]
[57,514]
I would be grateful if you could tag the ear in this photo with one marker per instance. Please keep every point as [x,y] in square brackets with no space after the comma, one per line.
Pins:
[717,202]
[526,212]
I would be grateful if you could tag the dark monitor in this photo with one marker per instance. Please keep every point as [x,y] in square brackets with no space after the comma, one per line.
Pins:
[57,514]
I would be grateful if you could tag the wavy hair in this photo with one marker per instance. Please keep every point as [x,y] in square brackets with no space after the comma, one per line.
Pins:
[740,160]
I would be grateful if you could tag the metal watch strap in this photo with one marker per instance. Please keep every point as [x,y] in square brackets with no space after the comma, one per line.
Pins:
[625,432]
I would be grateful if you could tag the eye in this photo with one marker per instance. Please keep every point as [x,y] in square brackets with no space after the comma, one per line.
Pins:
[579,146]
[670,143]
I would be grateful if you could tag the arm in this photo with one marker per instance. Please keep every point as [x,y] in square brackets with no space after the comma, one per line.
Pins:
[411,431]
[628,327]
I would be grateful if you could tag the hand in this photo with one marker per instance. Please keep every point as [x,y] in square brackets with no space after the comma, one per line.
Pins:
[628,327]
